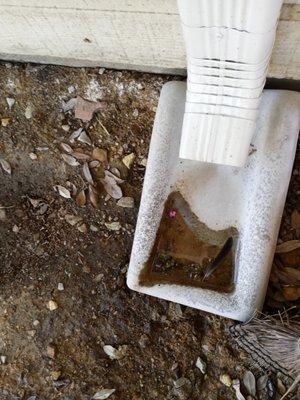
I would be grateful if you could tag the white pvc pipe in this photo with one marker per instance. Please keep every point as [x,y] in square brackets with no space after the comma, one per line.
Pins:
[228,45]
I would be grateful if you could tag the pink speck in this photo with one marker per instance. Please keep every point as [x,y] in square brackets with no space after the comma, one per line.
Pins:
[172,213]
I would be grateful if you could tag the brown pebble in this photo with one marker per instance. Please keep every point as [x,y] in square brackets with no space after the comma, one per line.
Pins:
[86,269]
[99,154]
[51,351]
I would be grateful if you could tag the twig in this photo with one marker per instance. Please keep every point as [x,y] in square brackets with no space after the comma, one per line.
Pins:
[102,126]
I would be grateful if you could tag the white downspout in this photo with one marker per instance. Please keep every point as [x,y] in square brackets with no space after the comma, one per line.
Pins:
[228,45]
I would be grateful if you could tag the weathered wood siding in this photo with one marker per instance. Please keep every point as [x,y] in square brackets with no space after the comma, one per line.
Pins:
[136,34]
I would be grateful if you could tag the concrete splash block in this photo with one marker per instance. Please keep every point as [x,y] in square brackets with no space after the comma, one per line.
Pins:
[250,199]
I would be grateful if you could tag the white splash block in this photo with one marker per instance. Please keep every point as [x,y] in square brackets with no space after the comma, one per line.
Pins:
[250,199]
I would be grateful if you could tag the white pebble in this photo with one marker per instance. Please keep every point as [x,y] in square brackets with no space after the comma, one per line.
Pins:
[52,305]
[60,286]
[15,229]
[201,365]
[66,128]
[28,111]
[10,101]
[33,156]
[3,359]
[71,89]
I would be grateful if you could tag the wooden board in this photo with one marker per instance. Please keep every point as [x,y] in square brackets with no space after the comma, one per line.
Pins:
[137,34]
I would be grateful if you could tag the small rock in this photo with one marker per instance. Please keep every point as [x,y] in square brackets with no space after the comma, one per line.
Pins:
[28,111]
[115,354]
[73,219]
[101,71]
[33,156]
[42,148]
[144,162]
[50,351]
[143,341]
[226,380]
[103,394]
[2,214]
[113,226]
[175,312]
[135,112]
[94,228]
[42,208]
[15,229]
[55,375]
[69,105]
[60,287]
[183,388]
[181,382]
[10,102]
[71,89]
[36,322]
[128,160]
[35,202]
[60,384]
[126,202]
[66,128]
[98,277]
[52,305]
[3,359]
[5,165]
[82,228]
[5,121]
[31,332]
[201,365]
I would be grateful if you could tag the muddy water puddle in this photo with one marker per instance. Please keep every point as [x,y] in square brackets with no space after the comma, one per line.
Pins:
[187,252]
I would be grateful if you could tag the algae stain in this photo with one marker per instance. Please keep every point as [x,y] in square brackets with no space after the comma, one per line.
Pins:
[186,250]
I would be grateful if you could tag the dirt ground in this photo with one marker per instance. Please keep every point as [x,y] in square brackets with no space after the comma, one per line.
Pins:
[63,294]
